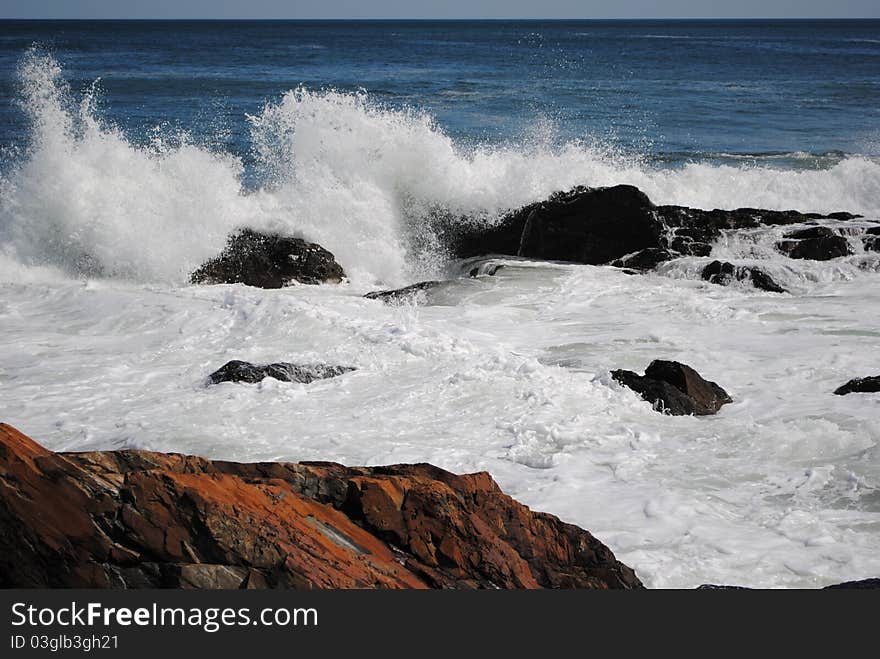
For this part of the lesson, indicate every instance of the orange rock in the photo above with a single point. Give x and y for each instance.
(130, 519)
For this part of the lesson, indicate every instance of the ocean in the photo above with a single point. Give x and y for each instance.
(129, 150)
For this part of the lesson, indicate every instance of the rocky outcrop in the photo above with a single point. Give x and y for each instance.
(675, 388)
(724, 273)
(601, 225)
(239, 371)
(862, 584)
(132, 519)
(869, 384)
(408, 293)
(269, 260)
(815, 244)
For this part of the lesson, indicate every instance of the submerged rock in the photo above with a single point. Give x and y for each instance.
(723, 273)
(646, 259)
(675, 388)
(239, 371)
(268, 260)
(136, 519)
(869, 384)
(401, 294)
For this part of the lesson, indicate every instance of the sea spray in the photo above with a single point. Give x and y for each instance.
(362, 179)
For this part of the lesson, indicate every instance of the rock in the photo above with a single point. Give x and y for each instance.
(239, 371)
(600, 225)
(486, 269)
(869, 384)
(584, 225)
(646, 259)
(136, 519)
(811, 233)
(815, 244)
(403, 294)
(864, 584)
(675, 388)
(723, 273)
(269, 261)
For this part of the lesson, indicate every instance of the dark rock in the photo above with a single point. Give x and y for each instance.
(811, 232)
(863, 584)
(584, 225)
(840, 215)
(712, 586)
(663, 396)
(599, 225)
(269, 261)
(816, 249)
(869, 384)
(873, 231)
(690, 247)
(723, 273)
(486, 269)
(401, 294)
(646, 259)
(239, 371)
(136, 519)
(872, 243)
(675, 388)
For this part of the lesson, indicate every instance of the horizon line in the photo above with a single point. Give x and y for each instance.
(427, 19)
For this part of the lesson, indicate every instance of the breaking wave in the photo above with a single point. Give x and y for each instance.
(360, 178)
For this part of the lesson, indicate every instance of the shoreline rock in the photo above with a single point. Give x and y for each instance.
(868, 385)
(597, 226)
(724, 273)
(137, 519)
(403, 294)
(239, 371)
(269, 260)
(674, 388)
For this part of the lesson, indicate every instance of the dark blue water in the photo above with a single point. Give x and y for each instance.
(670, 90)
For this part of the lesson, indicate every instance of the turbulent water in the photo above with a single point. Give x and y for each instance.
(131, 150)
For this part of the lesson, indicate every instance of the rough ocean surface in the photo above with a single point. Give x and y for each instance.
(104, 345)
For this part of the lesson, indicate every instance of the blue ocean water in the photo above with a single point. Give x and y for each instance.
(670, 91)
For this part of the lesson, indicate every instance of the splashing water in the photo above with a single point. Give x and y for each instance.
(359, 178)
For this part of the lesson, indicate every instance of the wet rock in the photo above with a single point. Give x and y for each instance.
(811, 233)
(269, 261)
(136, 519)
(863, 584)
(403, 294)
(675, 388)
(814, 244)
(646, 259)
(584, 225)
(869, 384)
(723, 273)
(487, 269)
(600, 225)
(239, 371)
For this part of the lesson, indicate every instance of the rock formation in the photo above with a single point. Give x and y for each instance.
(675, 388)
(239, 371)
(869, 384)
(132, 519)
(269, 261)
(723, 273)
(601, 225)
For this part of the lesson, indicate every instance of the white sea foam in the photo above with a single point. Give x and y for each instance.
(339, 169)
(508, 373)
